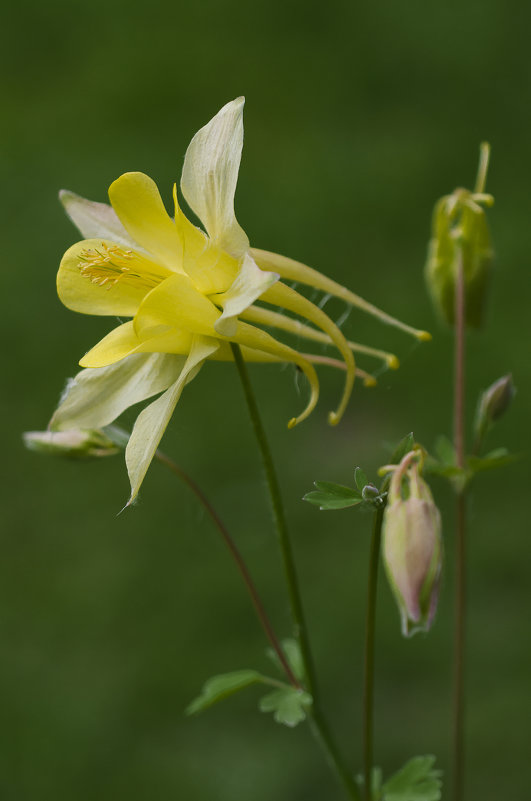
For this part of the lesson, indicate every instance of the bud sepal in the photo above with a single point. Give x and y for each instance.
(73, 443)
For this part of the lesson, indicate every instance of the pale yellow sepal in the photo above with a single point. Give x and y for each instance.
(250, 283)
(153, 420)
(95, 220)
(96, 397)
(210, 174)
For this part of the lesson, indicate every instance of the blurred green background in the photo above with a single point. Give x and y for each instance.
(359, 116)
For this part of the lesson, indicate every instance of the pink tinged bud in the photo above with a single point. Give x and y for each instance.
(412, 547)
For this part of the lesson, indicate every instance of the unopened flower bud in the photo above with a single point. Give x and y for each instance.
(460, 235)
(370, 492)
(495, 401)
(73, 444)
(412, 546)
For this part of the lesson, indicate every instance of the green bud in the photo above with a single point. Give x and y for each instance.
(460, 234)
(493, 403)
(73, 444)
(412, 546)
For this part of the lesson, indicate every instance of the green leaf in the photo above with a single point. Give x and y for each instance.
(293, 655)
(445, 451)
(327, 502)
(337, 490)
(492, 460)
(404, 446)
(360, 478)
(448, 471)
(333, 496)
(222, 686)
(415, 781)
(288, 705)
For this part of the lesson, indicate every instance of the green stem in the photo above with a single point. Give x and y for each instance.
(460, 550)
(368, 678)
(318, 724)
(280, 522)
(240, 563)
(321, 732)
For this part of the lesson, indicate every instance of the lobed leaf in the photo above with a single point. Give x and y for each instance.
(288, 705)
(326, 502)
(333, 496)
(497, 458)
(445, 451)
(417, 780)
(293, 655)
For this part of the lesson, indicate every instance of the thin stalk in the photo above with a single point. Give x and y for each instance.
(460, 544)
(368, 674)
(281, 525)
(321, 732)
(460, 550)
(459, 650)
(318, 724)
(481, 177)
(238, 559)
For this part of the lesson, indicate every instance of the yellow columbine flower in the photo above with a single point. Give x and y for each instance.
(189, 294)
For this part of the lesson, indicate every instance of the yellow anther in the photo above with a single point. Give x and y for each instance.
(110, 264)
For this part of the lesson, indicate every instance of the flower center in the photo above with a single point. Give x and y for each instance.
(111, 264)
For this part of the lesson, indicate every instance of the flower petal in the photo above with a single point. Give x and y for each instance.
(96, 397)
(152, 421)
(282, 295)
(250, 283)
(176, 303)
(137, 202)
(258, 340)
(210, 174)
(257, 314)
(95, 220)
(296, 271)
(118, 344)
(123, 340)
(106, 285)
(210, 268)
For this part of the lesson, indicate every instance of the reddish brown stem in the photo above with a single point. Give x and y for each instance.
(238, 558)
(460, 543)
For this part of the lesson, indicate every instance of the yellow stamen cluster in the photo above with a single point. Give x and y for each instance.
(111, 264)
